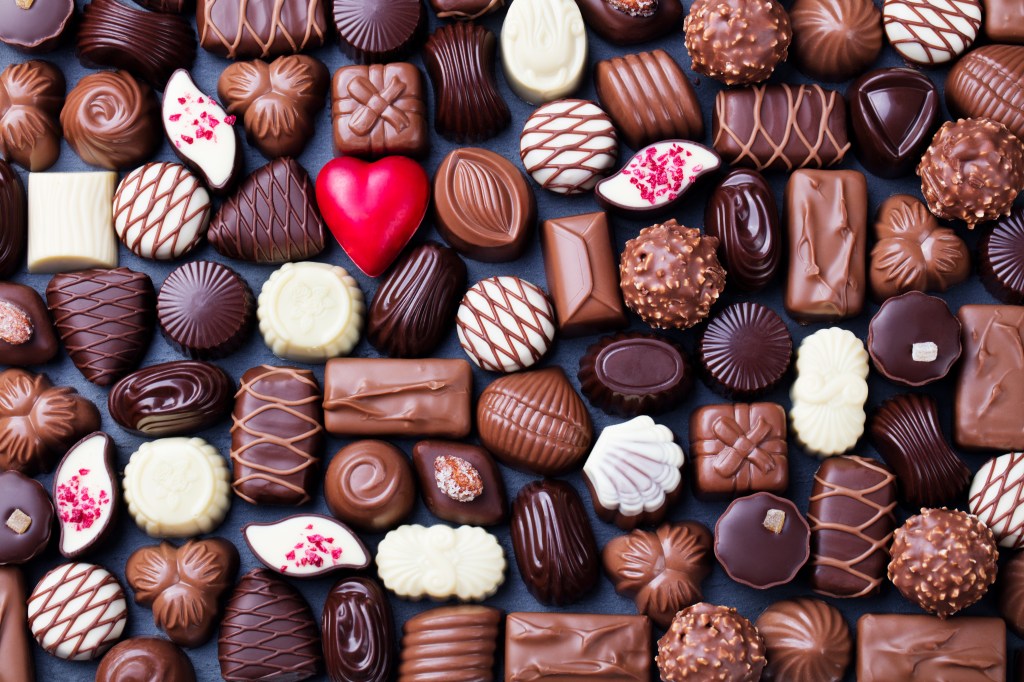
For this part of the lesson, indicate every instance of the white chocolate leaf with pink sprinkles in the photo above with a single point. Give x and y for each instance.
(200, 131)
(657, 176)
(86, 494)
(306, 545)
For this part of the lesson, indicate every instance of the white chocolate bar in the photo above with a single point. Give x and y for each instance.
(71, 221)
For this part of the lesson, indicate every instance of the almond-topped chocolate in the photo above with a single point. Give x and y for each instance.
(459, 482)
(26, 334)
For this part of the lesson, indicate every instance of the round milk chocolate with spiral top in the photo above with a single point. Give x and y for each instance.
(205, 309)
(745, 351)
(633, 374)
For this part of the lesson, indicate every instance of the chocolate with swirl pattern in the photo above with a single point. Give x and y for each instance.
(414, 308)
(369, 485)
(553, 542)
(13, 221)
(171, 399)
(742, 213)
(358, 632)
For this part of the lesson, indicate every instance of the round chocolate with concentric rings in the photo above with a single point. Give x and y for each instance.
(205, 309)
(745, 351)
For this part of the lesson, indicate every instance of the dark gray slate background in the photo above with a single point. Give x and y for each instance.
(513, 596)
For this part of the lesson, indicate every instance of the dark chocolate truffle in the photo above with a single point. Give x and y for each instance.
(205, 309)
(737, 43)
(632, 374)
(708, 642)
(807, 640)
(943, 560)
(745, 351)
(835, 39)
(914, 339)
(145, 659)
(26, 513)
(1001, 259)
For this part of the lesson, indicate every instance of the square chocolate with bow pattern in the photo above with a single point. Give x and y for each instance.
(738, 449)
(379, 109)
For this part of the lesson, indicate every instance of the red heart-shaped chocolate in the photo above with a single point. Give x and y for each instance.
(373, 209)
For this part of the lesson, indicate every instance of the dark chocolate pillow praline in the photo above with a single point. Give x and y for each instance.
(633, 374)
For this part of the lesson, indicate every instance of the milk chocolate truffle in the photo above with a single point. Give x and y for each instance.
(972, 171)
(31, 96)
(145, 659)
(914, 339)
(369, 485)
(943, 560)
(806, 640)
(670, 275)
(111, 120)
(1001, 259)
(835, 39)
(737, 43)
(709, 642)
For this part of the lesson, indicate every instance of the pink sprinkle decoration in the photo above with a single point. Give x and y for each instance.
(230, 120)
(182, 100)
(187, 139)
(660, 176)
(312, 549)
(200, 100)
(77, 504)
(174, 118)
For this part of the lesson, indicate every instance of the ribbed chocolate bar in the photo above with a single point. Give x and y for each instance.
(450, 643)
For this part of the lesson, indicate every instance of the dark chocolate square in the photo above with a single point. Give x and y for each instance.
(487, 509)
(738, 449)
(379, 109)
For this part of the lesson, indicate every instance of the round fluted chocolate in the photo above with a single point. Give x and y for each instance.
(835, 39)
(1001, 259)
(807, 641)
(26, 515)
(370, 31)
(745, 351)
(145, 659)
(709, 642)
(205, 309)
(742, 214)
(370, 485)
(112, 120)
(737, 43)
(762, 540)
(632, 374)
(914, 339)
(172, 399)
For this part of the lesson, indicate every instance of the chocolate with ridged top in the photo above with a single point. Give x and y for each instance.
(13, 219)
(414, 307)
(1001, 259)
(31, 97)
(174, 398)
(271, 218)
(806, 640)
(249, 29)
(553, 542)
(709, 642)
(145, 659)
(26, 334)
(377, 31)
(149, 45)
(628, 22)
(632, 374)
(36, 26)
(205, 309)
(835, 39)
(358, 632)
(741, 212)
(268, 631)
(450, 642)
(745, 351)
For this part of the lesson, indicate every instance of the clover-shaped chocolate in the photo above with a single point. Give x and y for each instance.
(31, 97)
(662, 571)
(278, 102)
(183, 585)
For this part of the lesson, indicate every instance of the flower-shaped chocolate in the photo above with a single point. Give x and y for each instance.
(31, 97)
(183, 585)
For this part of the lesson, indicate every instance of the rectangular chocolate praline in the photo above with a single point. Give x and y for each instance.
(738, 449)
(780, 127)
(827, 221)
(565, 647)
(852, 521)
(915, 648)
(379, 109)
(250, 29)
(990, 392)
(582, 273)
(390, 397)
(1004, 21)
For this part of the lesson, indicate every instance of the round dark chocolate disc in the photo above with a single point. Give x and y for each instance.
(27, 516)
(745, 351)
(378, 31)
(205, 309)
(762, 540)
(633, 374)
(914, 339)
(1001, 259)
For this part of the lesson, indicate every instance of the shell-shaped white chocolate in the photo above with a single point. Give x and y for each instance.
(997, 498)
(829, 393)
(310, 312)
(305, 545)
(84, 494)
(177, 487)
(161, 211)
(634, 466)
(441, 562)
(199, 130)
(70, 221)
(543, 48)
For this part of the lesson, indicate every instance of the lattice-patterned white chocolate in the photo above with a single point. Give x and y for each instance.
(997, 498)
(161, 211)
(568, 145)
(931, 31)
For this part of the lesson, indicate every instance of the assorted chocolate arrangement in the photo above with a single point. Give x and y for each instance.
(893, 506)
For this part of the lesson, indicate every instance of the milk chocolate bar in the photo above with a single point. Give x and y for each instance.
(390, 397)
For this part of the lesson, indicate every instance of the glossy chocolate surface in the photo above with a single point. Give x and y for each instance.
(38, 27)
(369, 485)
(27, 516)
(755, 555)
(370, 32)
(172, 398)
(15, 645)
(26, 334)
(31, 97)
(379, 109)
(460, 483)
(1001, 259)
(145, 659)
(745, 351)
(914, 339)
(738, 449)
(632, 374)
(13, 220)
(741, 212)
(450, 642)
(239, 29)
(623, 27)
(358, 632)
(987, 83)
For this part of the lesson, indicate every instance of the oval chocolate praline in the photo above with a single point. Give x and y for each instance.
(742, 213)
(553, 542)
(633, 374)
(172, 398)
(13, 220)
(358, 632)
(414, 308)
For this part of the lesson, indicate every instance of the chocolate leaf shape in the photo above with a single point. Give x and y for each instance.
(182, 608)
(151, 570)
(484, 201)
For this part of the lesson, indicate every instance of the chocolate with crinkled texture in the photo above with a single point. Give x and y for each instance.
(737, 44)
(250, 29)
(1001, 259)
(460, 61)
(806, 640)
(358, 632)
(631, 374)
(174, 398)
(272, 218)
(40, 421)
(379, 109)
(369, 485)
(450, 642)
(370, 33)
(414, 307)
(26, 334)
(13, 219)
(758, 549)
(149, 45)
(851, 512)
(835, 39)
(914, 339)
(32, 94)
(553, 542)
(745, 351)
(276, 436)
(827, 222)
(142, 659)
(739, 448)
(892, 114)
(105, 319)
(780, 127)
(741, 212)
(990, 390)
(460, 482)
(268, 631)
(711, 642)
(628, 22)
(647, 95)
(572, 646)
(27, 514)
(277, 102)
(534, 421)
(37, 26)
(910, 648)
(15, 646)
